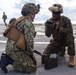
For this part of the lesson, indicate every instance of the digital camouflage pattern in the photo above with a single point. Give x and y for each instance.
(61, 37)
(22, 60)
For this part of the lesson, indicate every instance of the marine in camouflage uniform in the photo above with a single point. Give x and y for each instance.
(4, 17)
(60, 28)
(24, 60)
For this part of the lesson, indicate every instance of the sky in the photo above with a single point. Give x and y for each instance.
(12, 8)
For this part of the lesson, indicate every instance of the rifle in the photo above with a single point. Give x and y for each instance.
(37, 52)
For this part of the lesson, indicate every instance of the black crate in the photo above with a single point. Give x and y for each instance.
(44, 58)
(51, 63)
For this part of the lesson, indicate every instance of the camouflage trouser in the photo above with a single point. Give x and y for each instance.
(22, 62)
(4, 20)
(53, 47)
(56, 46)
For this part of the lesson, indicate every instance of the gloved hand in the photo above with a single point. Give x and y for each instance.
(49, 23)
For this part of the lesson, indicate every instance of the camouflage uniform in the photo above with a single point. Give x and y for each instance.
(62, 33)
(23, 59)
(4, 17)
(62, 37)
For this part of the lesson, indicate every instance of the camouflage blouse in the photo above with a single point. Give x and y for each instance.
(27, 28)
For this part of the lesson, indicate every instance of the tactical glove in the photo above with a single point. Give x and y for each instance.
(49, 23)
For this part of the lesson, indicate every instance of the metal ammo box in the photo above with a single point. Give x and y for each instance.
(50, 62)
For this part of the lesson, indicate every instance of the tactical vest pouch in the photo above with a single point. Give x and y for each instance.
(21, 42)
(17, 36)
(12, 33)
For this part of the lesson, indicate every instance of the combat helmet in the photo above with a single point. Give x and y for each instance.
(56, 8)
(30, 8)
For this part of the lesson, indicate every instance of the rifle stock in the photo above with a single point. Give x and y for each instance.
(37, 52)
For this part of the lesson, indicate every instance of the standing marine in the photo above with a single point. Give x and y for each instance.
(4, 17)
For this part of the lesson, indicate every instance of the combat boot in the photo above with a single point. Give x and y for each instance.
(71, 61)
(5, 61)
